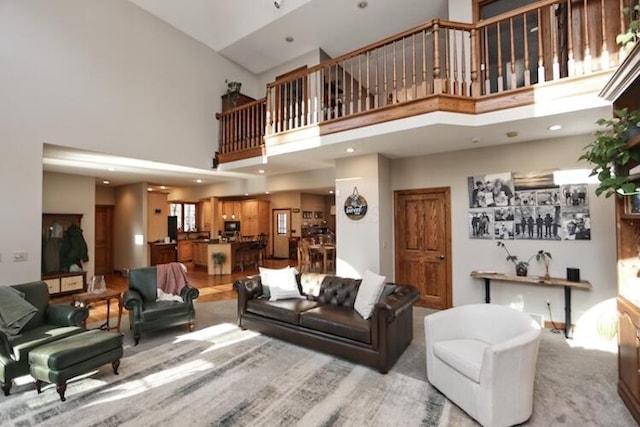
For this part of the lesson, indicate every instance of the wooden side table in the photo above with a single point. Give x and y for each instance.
(86, 299)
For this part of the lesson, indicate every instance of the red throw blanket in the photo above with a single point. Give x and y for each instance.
(171, 278)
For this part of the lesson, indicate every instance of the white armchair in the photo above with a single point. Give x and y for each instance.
(483, 358)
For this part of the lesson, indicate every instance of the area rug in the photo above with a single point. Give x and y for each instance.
(222, 376)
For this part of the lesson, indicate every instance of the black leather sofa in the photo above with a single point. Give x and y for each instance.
(329, 323)
(51, 322)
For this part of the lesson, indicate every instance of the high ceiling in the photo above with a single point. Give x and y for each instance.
(252, 33)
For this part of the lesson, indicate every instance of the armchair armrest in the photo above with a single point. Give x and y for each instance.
(402, 298)
(189, 293)
(132, 300)
(66, 315)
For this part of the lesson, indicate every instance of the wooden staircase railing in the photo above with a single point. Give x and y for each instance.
(544, 41)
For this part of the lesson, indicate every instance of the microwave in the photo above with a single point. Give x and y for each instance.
(232, 226)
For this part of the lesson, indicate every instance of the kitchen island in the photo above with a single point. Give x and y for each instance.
(237, 254)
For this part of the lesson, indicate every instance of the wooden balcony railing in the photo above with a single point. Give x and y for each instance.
(440, 65)
(242, 131)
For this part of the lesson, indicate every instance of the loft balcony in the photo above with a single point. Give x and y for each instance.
(546, 50)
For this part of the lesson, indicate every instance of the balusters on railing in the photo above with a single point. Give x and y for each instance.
(437, 82)
(541, 76)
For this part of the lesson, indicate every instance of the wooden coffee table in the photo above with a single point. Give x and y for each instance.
(87, 299)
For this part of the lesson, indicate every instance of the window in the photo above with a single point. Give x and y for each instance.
(282, 224)
(186, 213)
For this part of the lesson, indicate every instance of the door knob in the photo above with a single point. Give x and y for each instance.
(441, 256)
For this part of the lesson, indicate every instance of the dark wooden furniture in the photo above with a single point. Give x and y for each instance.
(59, 282)
(538, 281)
(624, 90)
(87, 299)
(228, 105)
(162, 253)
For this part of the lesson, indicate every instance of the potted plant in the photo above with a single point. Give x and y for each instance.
(219, 259)
(233, 90)
(610, 154)
(522, 267)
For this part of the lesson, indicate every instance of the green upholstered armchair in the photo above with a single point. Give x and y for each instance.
(50, 323)
(146, 313)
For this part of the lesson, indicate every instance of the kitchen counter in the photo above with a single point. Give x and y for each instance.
(206, 248)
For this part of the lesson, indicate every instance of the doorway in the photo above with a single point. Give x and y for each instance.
(104, 240)
(281, 232)
(423, 244)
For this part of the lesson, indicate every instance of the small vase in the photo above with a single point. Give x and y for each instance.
(521, 271)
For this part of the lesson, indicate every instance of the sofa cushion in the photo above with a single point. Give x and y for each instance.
(339, 291)
(463, 355)
(287, 310)
(161, 309)
(335, 320)
(368, 293)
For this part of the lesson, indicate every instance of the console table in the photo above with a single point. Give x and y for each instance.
(537, 281)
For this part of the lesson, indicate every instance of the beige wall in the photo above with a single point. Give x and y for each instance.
(157, 222)
(130, 220)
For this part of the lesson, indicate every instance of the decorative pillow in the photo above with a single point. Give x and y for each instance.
(282, 283)
(311, 283)
(368, 294)
(266, 277)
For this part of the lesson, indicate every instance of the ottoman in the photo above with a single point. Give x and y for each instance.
(69, 357)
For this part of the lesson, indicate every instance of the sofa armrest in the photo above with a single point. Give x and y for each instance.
(247, 288)
(65, 315)
(189, 294)
(132, 300)
(402, 298)
(6, 349)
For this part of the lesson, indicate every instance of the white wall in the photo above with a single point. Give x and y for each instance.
(73, 194)
(310, 59)
(594, 258)
(103, 76)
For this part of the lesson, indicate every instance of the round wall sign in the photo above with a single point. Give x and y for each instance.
(355, 207)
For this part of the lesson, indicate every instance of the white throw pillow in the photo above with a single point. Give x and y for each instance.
(368, 293)
(282, 283)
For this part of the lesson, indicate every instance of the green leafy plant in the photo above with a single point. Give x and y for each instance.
(610, 154)
(523, 266)
(629, 38)
(218, 257)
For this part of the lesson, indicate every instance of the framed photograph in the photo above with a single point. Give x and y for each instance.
(632, 205)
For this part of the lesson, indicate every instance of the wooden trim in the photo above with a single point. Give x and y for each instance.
(243, 154)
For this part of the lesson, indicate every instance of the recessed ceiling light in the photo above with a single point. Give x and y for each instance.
(111, 169)
(289, 39)
(199, 181)
(162, 187)
(330, 191)
(363, 4)
(106, 182)
(555, 127)
(266, 192)
(261, 171)
(149, 189)
(350, 150)
(246, 194)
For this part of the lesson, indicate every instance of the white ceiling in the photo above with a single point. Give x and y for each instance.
(252, 32)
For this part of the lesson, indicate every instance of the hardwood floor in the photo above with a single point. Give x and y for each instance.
(212, 288)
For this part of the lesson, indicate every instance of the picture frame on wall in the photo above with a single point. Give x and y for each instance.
(632, 205)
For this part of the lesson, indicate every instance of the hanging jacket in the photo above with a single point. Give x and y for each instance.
(73, 249)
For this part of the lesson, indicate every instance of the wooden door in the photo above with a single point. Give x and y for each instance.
(281, 232)
(104, 240)
(423, 244)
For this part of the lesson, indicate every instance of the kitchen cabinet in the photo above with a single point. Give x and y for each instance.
(185, 250)
(162, 253)
(255, 217)
(199, 256)
(204, 215)
(229, 208)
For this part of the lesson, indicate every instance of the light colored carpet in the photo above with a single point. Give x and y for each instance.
(219, 375)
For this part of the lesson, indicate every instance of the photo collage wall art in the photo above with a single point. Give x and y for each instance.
(527, 206)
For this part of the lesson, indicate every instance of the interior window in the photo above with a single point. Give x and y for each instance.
(186, 213)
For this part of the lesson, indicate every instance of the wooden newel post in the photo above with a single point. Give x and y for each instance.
(437, 81)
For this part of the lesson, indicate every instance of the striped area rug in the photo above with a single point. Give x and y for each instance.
(222, 376)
